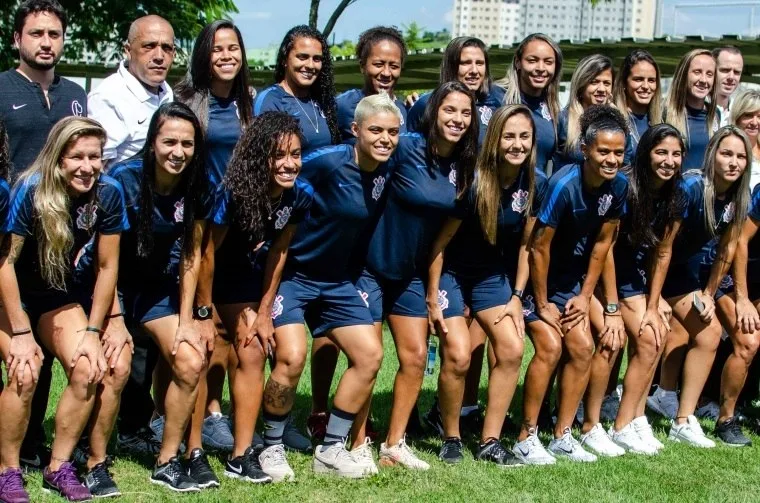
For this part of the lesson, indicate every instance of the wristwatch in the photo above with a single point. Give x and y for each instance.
(518, 293)
(611, 309)
(203, 312)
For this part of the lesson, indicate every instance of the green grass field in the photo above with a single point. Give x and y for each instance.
(679, 473)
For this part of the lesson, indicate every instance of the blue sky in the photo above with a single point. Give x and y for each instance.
(264, 22)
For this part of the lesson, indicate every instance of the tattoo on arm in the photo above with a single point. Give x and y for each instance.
(278, 396)
(11, 248)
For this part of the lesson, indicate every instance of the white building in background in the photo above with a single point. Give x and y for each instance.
(492, 21)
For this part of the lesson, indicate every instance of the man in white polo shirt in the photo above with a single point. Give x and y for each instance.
(727, 78)
(125, 101)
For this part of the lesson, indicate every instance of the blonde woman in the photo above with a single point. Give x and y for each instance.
(61, 205)
(716, 203)
(591, 84)
(745, 113)
(691, 104)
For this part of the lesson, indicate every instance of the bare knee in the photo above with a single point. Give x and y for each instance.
(509, 353)
(251, 357)
(291, 361)
(79, 379)
(646, 347)
(412, 358)
(580, 349)
(370, 360)
(187, 366)
(745, 347)
(457, 360)
(23, 388)
(117, 377)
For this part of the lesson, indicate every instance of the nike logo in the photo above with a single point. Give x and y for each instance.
(140, 122)
(16, 107)
(522, 452)
(238, 470)
(35, 461)
(343, 185)
(565, 450)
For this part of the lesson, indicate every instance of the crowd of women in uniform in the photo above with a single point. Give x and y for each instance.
(623, 220)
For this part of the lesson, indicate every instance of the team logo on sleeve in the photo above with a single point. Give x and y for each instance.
(87, 215)
(179, 210)
(528, 307)
(443, 301)
(364, 296)
(283, 215)
(453, 175)
(545, 112)
(604, 204)
(519, 201)
(277, 307)
(76, 108)
(485, 115)
(377, 190)
(728, 212)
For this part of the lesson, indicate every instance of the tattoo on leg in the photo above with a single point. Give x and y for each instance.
(279, 396)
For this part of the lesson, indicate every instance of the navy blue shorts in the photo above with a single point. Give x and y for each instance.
(155, 302)
(682, 279)
(561, 296)
(37, 304)
(323, 305)
(238, 286)
(457, 291)
(529, 306)
(632, 281)
(399, 297)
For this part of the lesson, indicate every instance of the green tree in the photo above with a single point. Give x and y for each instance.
(102, 28)
(413, 35)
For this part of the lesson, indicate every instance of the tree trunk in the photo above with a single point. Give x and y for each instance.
(335, 15)
(313, 14)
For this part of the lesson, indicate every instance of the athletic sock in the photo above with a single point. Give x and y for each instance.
(274, 428)
(467, 409)
(338, 426)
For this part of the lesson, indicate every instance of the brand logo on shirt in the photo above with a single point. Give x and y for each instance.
(519, 201)
(377, 190)
(643, 275)
(76, 108)
(277, 307)
(453, 175)
(179, 210)
(142, 121)
(364, 296)
(727, 282)
(18, 107)
(283, 216)
(604, 204)
(545, 112)
(87, 215)
(237, 110)
(485, 115)
(443, 301)
(527, 305)
(728, 212)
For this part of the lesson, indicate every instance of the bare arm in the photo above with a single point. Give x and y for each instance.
(746, 314)
(9, 289)
(599, 256)
(538, 259)
(523, 267)
(105, 283)
(188, 283)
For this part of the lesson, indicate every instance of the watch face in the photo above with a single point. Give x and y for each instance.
(203, 312)
(612, 308)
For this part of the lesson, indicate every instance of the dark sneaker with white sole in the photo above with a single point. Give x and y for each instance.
(434, 420)
(173, 476)
(452, 451)
(247, 468)
(143, 442)
(494, 452)
(730, 433)
(199, 469)
(100, 483)
(35, 458)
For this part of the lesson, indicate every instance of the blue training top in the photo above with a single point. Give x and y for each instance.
(546, 137)
(222, 134)
(347, 102)
(753, 260)
(697, 139)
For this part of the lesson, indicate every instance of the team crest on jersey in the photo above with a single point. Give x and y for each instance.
(283, 215)
(528, 307)
(377, 190)
(485, 115)
(604, 204)
(545, 112)
(277, 307)
(87, 215)
(519, 201)
(726, 282)
(319, 109)
(728, 212)
(453, 175)
(179, 210)
(443, 301)
(77, 109)
(364, 296)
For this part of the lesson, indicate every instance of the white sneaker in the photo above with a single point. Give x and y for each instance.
(629, 440)
(610, 405)
(531, 451)
(275, 464)
(566, 446)
(644, 429)
(363, 455)
(710, 410)
(335, 459)
(401, 454)
(598, 441)
(691, 433)
(664, 402)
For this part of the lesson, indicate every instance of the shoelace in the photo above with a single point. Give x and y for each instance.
(174, 470)
(200, 462)
(276, 454)
(66, 475)
(12, 481)
(364, 450)
(498, 451)
(451, 444)
(733, 427)
(100, 473)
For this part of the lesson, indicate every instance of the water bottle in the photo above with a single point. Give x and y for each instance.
(432, 351)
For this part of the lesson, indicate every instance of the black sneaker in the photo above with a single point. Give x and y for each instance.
(81, 452)
(172, 476)
(34, 458)
(494, 452)
(434, 420)
(143, 442)
(451, 451)
(731, 433)
(99, 482)
(247, 468)
(199, 469)
(471, 423)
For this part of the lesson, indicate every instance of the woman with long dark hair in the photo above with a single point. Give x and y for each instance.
(62, 205)
(168, 203)
(642, 256)
(432, 169)
(304, 87)
(569, 246)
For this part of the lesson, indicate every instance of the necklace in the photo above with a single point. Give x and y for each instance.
(314, 124)
(273, 207)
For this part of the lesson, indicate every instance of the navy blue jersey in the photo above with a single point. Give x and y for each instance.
(311, 117)
(639, 123)
(27, 116)
(162, 265)
(346, 201)
(241, 250)
(753, 259)
(577, 215)
(695, 245)
(562, 157)
(469, 254)
(222, 133)
(5, 196)
(102, 214)
(347, 106)
(696, 140)
(546, 137)
(485, 106)
(421, 196)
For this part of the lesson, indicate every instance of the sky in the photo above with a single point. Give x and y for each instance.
(264, 22)
(710, 17)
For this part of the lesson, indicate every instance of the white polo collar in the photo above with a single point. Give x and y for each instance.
(136, 87)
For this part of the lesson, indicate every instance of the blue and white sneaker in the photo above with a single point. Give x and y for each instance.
(216, 433)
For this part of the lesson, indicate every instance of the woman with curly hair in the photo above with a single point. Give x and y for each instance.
(304, 87)
(256, 211)
(168, 204)
(62, 205)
